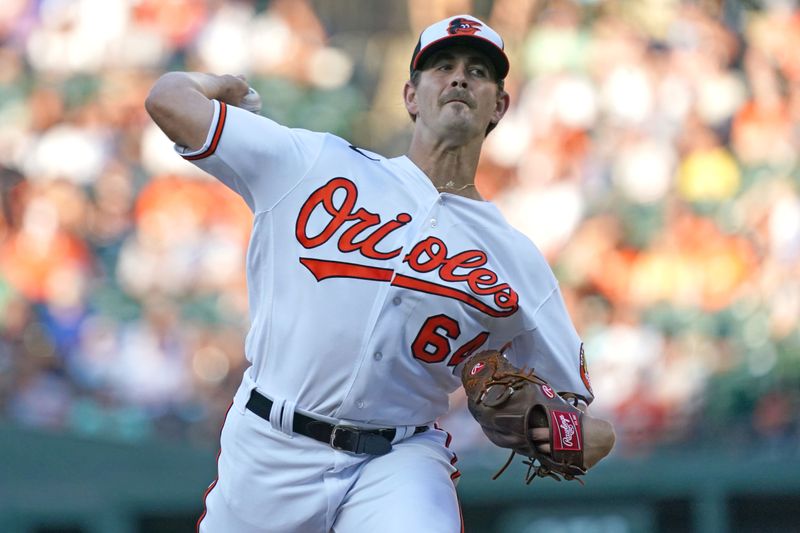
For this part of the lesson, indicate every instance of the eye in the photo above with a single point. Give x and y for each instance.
(478, 71)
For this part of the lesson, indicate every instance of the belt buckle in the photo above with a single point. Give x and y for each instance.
(344, 430)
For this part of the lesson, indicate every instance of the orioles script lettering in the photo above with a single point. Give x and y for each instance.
(333, 207)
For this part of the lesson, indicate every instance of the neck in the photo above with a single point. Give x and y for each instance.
(450, 168)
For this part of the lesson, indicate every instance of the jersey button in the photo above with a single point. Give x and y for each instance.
(433, 223)
(360, 404)
(377, 356)
(396, 300)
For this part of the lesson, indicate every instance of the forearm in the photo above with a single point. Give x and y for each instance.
(227, 88)
(180, 103)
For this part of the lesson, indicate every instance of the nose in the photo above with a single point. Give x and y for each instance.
(459, 78)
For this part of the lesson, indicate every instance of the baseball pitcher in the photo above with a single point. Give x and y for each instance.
(377, 287)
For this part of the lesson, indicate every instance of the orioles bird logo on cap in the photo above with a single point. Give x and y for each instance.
(462, 26)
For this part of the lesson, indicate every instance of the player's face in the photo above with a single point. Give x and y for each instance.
(456, 94)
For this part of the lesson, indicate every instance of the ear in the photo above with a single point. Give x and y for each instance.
(501, 106)
(410, 98)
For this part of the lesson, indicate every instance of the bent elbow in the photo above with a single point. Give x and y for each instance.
(151, 104)
(157, 104)
(165, 96)
(179, 109)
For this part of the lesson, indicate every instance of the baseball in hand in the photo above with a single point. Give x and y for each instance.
(251, 101)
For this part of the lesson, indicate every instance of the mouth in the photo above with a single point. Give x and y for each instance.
(458, 101)
(457, 97)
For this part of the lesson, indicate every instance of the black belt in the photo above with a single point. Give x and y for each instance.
(340, 437)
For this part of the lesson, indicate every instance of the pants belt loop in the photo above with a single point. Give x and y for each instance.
(402, 432)
(287, 419)
(276, 416)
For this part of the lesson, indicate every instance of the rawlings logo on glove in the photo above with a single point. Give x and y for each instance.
(568, 436)
(509, 403)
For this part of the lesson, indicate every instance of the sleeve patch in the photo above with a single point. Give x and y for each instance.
(585, 373)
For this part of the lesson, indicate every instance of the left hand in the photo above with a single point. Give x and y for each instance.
(541, 436)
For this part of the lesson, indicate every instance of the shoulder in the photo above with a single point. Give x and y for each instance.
(346, 148)
(520, 252)
(507, 234)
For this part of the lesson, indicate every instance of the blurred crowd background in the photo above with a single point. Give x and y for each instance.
(651, 152)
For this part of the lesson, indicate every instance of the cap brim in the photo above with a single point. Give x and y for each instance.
(495, 54)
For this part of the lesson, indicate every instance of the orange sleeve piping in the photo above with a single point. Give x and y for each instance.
(223, 112)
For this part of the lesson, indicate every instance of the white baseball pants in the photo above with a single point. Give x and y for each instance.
(273, 482)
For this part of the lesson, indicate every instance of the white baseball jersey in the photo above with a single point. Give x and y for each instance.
(368, 288)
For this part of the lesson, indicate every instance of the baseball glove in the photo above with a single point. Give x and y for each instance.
(509, 403)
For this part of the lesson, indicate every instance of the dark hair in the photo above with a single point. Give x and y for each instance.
(415, 80)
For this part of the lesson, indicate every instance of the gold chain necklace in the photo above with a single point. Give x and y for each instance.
(449, 187)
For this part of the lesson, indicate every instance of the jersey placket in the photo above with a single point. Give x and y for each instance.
(359, 402)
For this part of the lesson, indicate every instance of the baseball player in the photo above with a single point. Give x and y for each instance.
(372, 283)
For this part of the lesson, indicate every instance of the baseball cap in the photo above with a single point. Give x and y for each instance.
(461, 29)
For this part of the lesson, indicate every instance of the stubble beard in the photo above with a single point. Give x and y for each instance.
(459, 122)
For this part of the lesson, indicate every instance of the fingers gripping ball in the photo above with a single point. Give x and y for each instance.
(509, 403)
(251, 101)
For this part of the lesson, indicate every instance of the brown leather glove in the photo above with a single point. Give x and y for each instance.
(509, 403)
